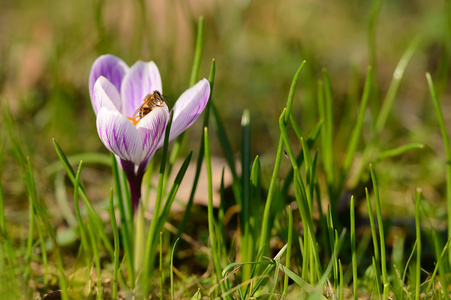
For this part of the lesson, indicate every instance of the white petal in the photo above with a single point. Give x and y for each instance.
(152, 128)
(105, 94)
(109, 66)
(189, 106)
(119, 135)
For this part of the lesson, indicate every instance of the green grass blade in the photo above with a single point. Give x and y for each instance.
(193, 78)
(87, 157)
(147, 185)
(172, 267)
(374, 14)
(197, 295)
(28, 255)
(29, 243)
(371, 149)
(328, 129)
(397, 259)
(125, 229)
(211, 226)
(153, 231)
(116, 241)
(353, 250)
(269, 268)
(440, 265)
(42, 216)
(394, 85)
(288, 255)
(26, 169)
(162, 217)
(373, 227)
(300, 158)
(381, 232)
(96, 257)
(245, 163)
(64, 204)
(15, 142)
(447, 147)
(63, 158)
(332, 242)
(398, 151)
(270, 197)
(230, 268)
(328, 113)
(161, 266)
(200, 157)
(361, 251)
(254, 219)
(119, 188)
(100, 230)
(408, 262)
(221, 215)
(265, 221)
(302, 197)
(377, 278)
(274, 280)
(337, 246)
(309, 238)
(340, 267)
(376, 258)
(272, 185)
(10, 258)
(418, 242)
(84, 241)
(294, 83)
(126, 200)
(197, 52)
(309, 171)
(2, 214)
(172, 192)
(38, 210)
(302, 283)
(246, 236)
(353, 143)
(228, 153)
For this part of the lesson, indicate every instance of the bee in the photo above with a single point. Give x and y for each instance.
(150, 102)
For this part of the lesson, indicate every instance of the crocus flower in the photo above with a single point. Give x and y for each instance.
(117, 91)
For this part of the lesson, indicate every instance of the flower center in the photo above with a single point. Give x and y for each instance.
(135, 120)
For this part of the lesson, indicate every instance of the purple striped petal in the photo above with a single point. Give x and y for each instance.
(111, 67)
(152, 128)
(119, 135)
(188, 107)
(105, 95)
(142, 79)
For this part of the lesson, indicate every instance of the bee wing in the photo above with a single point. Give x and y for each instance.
(138, 109)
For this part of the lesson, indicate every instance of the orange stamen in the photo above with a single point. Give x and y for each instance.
(134, 120)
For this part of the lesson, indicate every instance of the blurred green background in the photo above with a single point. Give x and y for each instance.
(47, 49)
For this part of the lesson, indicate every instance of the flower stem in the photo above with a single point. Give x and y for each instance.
(134, 182)
(135, 190)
